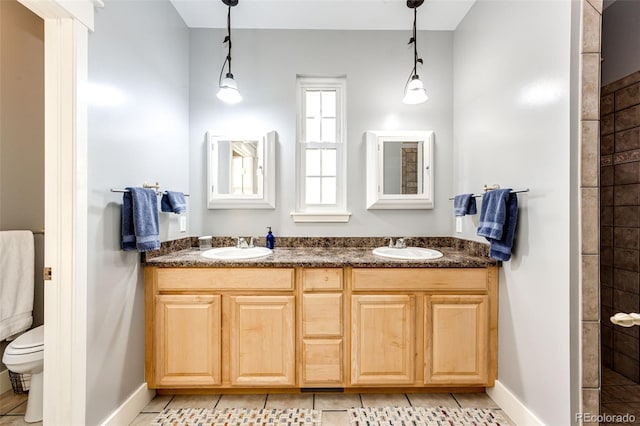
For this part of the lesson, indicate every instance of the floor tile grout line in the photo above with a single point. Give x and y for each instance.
(456, 399)
(408, 399)
(169, 402)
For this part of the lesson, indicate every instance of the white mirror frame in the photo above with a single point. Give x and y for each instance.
(266, 196)
(376, 199)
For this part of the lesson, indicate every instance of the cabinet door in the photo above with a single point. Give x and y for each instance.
(188, 340)
(382, 339)
(456, 339)
(262, 351)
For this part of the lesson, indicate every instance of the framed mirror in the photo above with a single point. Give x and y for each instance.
(241, 171)
(399, 169)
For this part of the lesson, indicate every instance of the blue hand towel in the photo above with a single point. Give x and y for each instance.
(128, 233)
(498, 219)
(501, 249)
(140, 228)
(464, 204)
(173, 202)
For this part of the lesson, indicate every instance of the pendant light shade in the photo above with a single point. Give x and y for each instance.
(229, 92)
(414, 91)
(228, 88)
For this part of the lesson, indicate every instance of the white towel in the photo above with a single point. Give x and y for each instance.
(17, 260)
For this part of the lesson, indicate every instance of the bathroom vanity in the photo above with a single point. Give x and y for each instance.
(320, 318)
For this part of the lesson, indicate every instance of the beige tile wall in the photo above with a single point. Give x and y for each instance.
(591, 24)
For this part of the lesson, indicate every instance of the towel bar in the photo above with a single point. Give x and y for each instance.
(491, 189)
(126, 190)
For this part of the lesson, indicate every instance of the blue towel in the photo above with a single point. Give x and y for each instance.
(173, 202)
(498, 219)
(464, 204)
(140, 228)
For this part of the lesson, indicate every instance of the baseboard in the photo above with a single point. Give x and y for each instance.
(5, 382)
(512, 406)
(129, 409)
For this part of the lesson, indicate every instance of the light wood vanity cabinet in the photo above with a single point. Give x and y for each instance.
(220, 327)
(320, 327)
(423, 326)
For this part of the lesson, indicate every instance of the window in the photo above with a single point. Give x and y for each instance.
(321, 150)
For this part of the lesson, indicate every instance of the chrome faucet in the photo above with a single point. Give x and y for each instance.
(390, 241)
(401, 242)
(242, 242)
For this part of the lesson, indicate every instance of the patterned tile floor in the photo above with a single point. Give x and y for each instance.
(619, 396)
(333, 405)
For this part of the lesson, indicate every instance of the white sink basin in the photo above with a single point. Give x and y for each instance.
(408, 253)
(234, 253)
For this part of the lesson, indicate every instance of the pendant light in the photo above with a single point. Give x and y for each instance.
(228, 88)
(414, 92)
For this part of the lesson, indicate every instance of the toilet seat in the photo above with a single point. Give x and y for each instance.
(30, 339)
(25, 355)
(31, 342)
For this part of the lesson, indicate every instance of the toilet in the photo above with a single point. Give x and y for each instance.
(25, 355)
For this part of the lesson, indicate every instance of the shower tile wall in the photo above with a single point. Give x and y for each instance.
(620, 222)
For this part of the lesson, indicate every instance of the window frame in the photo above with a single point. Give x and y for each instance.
(319, 212)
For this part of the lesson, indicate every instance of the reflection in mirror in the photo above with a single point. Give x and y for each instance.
(241, 171)
(400, 164)
(238, 167)
(399, 169)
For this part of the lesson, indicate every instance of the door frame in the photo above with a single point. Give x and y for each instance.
(66, 28)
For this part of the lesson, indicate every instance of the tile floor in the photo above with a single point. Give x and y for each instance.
(333, 405)
(619, 396)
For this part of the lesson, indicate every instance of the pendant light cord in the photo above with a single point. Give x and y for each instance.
(415, 41)
(229, 36)
(227, 40)
(415, 48)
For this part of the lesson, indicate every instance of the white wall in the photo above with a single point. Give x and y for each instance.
(265, 64)
(620, 40)
(138, 131)
(22, 132)
(512, 65)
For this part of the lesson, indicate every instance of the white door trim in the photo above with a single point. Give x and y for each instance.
(66, 27)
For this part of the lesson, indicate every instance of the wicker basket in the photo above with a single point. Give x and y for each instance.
(20, 382)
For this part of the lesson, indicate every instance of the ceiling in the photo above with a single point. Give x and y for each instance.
(324, 14)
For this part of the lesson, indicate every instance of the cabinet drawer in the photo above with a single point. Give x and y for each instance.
(417, 279)
(322, 279)
(193, 279)
(322, 315)
(322, 362)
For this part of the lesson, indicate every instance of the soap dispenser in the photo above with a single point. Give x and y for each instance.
(271, 240)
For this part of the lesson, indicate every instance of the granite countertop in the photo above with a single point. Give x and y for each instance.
(457, 254)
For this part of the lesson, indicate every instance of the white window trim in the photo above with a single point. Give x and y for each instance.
(337, 212)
